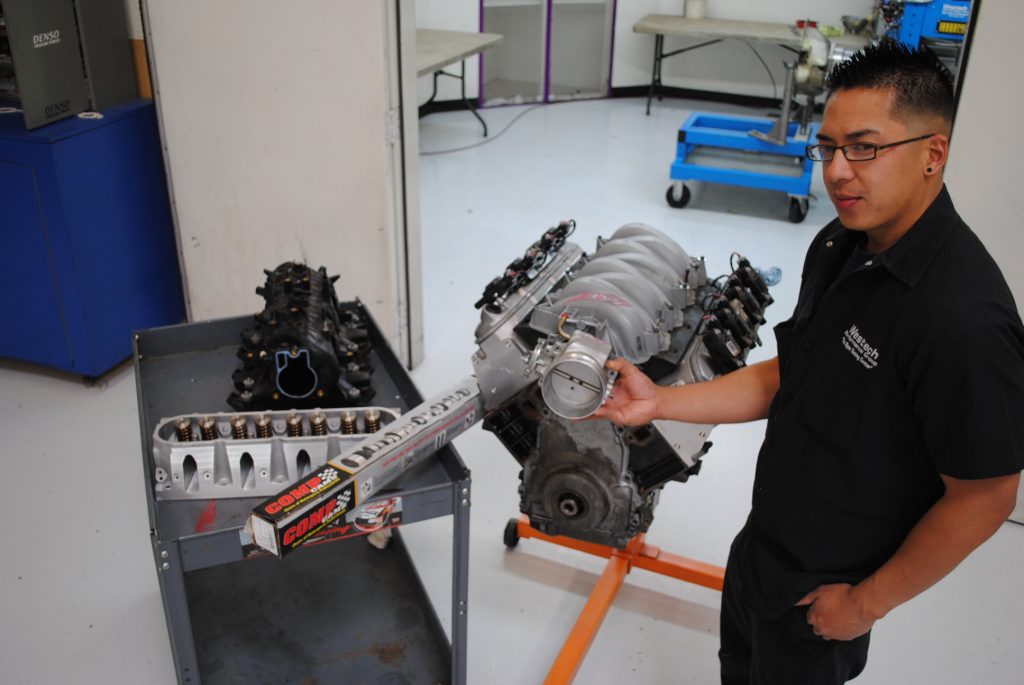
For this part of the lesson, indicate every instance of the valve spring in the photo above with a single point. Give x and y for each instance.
(208, 428)
(348, 423)
(263, 427)
(371, 419)
(184, 430)
(294, 426)
(318, 424)
(239, 429)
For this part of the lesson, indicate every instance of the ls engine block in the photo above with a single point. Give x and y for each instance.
(303, 350)
(548, 325)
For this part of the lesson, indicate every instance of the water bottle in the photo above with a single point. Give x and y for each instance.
(771, 276)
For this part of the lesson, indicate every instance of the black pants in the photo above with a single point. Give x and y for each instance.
(780, 651)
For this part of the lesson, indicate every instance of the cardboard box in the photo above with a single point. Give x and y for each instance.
(303, 510)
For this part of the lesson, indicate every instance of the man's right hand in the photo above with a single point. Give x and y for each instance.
(635, 398)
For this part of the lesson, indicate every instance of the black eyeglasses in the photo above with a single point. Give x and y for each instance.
(854, 152)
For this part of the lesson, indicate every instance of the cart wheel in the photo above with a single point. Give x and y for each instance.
(511, 536)
(682, 200)
(797, 209)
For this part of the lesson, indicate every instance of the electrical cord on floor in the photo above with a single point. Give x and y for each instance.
(490, 139)
(775, 89)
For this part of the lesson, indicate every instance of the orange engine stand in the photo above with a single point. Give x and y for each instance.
(637, 554)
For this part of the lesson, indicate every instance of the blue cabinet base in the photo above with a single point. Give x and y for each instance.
(85, 215)
(719, 148)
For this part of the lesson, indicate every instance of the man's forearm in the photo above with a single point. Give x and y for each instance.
(967, 515)
(743, 395)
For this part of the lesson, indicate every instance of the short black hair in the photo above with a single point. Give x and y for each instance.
(920, 82)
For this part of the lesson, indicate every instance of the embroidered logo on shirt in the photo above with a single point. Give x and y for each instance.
(861, 350)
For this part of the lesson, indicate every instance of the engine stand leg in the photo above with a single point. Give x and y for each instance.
(620, 562)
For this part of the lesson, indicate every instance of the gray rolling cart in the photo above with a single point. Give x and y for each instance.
(339, 612)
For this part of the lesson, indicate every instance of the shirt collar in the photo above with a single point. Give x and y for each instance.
(911, 255)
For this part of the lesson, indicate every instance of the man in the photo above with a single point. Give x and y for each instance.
(895, 406)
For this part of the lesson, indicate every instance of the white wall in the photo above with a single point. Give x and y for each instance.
(729, 66)
(453, 15)
(983, 173)
(134, 19)
(277, 148)
(726, 67)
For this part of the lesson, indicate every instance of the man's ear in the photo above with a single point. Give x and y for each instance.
(938, 153)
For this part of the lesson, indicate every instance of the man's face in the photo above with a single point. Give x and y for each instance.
(882, 197)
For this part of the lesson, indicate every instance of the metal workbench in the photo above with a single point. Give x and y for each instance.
(710, 32)
(340, 612)
(436, 50)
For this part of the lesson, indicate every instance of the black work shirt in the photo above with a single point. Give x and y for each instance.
(894, 370)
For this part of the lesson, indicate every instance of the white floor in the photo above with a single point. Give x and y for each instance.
(79, 601)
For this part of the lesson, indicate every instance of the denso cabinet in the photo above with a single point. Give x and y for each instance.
(86, 223)
(60, 57)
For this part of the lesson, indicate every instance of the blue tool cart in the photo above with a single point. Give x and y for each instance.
(741, 151)
(84, 212)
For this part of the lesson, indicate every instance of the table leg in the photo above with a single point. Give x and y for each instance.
(433, 93)
(659, 60)
(655, 69)
(461, 77)
(661, 65)
(471, 108)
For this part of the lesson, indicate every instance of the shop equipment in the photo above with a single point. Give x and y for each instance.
(549, 323)
(750, 152)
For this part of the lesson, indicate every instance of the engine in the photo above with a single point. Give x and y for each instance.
(303, 350)
(550, 322)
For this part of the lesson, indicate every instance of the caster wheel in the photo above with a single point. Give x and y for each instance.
(679, 201)
(797, 209)
(511, 536)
